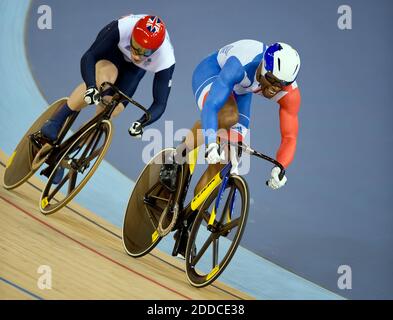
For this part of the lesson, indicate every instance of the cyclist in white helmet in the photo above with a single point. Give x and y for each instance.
(223, 85)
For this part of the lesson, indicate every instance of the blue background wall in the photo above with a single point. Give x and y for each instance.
(336, 207)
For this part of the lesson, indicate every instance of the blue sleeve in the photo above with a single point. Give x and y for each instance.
(231, 73)
(106, 41)
(161, 89)
(244, 107)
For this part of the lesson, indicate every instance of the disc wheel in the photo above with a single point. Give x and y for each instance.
(79, 163)
(19, 166)
(148, 201)
(215, 237)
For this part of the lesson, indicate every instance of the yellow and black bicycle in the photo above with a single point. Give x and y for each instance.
(215, 218)
(79, 154)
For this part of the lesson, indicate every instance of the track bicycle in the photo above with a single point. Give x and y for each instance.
(215, 218)
(79, 154)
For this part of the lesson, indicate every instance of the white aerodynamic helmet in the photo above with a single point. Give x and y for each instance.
(282, 61)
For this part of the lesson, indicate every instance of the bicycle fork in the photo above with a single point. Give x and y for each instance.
(212, 223)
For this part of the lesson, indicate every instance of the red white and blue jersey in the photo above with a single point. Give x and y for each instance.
(231, 71)
(113, 44)
(249, 53)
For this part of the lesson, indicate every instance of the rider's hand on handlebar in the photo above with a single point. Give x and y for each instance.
(136, 130)
(92, 95)
(213, 155)
(274, 182)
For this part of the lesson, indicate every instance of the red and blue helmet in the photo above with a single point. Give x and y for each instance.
(149, 32)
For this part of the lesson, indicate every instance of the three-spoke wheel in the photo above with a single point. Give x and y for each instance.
(216, 232)
(75, 166)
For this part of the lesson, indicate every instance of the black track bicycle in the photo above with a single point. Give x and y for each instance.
(79, 154)
(215, 218)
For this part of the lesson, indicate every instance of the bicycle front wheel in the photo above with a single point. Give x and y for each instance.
(216, 232)
(78, 163)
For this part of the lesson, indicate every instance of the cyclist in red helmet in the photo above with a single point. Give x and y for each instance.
(148, 34)
(122, 53)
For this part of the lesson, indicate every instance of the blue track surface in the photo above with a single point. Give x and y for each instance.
(21, 103)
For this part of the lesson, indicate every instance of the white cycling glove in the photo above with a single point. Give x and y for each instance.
(136, 130)
(92, 95)
(212, 154)
(275, 182)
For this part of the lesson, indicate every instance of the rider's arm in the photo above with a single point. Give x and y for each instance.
(243, 102)
(289, 109)
(106, 41)
(161, 89)
(231, 73)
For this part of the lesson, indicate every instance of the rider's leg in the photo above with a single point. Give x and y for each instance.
(127, 81)
(227, 117)
(168, 172)
(119, 109)
(105, 71)
(193, 140)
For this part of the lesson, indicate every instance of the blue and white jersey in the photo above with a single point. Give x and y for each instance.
(249, 53)
(230, 73)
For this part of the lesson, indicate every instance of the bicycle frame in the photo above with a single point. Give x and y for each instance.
(221, 177)
(61, 146)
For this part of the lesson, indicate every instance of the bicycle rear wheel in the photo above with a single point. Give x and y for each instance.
(147, 202)
(19, 167)
(79, 163)
(216, 233)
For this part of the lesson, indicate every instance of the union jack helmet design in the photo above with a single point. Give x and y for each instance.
(149, 32)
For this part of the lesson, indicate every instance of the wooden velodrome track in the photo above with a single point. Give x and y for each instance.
(85, 254)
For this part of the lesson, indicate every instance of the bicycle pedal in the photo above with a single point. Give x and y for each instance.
(35, 139)
(168, 176)
(46, 172)
(180, 242)
(175, 249)
(180, 256)
(226, 233)
(39, 140)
